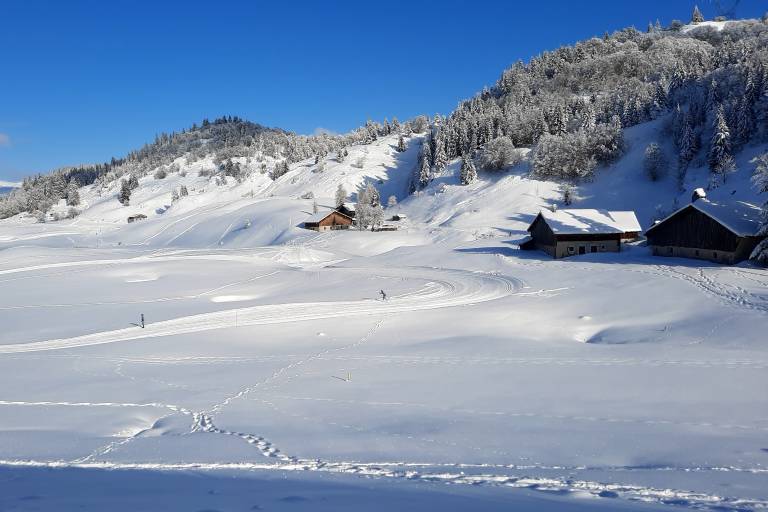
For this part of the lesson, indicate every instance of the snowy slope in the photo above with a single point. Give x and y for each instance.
(271, 374)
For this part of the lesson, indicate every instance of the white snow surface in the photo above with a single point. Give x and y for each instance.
(270, 374)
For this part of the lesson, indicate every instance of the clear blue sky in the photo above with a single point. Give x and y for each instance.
(82, 81)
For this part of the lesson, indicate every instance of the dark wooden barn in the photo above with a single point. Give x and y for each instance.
(721, 232)
(571, 232)
(328, 221)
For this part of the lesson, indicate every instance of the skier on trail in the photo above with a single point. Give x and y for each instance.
(383, 295)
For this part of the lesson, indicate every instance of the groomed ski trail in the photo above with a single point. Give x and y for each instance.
(445, 288)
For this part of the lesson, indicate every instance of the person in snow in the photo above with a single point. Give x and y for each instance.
(142, 320)
(383, 295)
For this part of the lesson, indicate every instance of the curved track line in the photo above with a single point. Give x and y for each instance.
(447, 288)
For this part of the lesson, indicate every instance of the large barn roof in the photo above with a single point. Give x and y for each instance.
(741, 218)
(590, 221)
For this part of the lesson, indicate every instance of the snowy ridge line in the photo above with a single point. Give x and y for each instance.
(690, 499)
(451, 288)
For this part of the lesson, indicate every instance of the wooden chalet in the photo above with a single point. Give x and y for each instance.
(569, 232)
(724, 232)
(328, 220)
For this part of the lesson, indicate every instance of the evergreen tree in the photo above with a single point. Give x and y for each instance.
(174, 195)
(401, 144)
(425, 167)
(124, 196)
(468, 173)
(696, 17)
(73, 195)
(440, 160)
(314, 206)
(133, 182)
(760, 181)
(183, 191)
(655, 163)
(720, 159)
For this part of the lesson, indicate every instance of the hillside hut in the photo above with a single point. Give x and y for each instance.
(328, 220)
(569, 232)
(136, 217)
(724, 232)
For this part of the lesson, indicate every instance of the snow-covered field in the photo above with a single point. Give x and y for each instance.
(270, 375)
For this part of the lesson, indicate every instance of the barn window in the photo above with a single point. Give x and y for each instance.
(715, 255)
(697, 253)
(571, 249)
(602, 247)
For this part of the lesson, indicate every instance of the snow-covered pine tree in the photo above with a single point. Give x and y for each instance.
(687, 147)
(468, 173)
(183, 191)
(124, 196)
(73, 195)
(401, 144)
(440, 159)
(174, 195)
(696, 17)
(133, 182)
(760, 181)
(314, 206)
(720, 158)
(425, 166)
(655, 163)
(341, 195)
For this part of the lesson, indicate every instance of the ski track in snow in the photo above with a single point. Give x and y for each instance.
(447, 288)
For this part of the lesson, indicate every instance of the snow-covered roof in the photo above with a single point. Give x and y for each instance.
(739, 217)
(349, 206)
(320, 215)
(317, 217)
(590, 221)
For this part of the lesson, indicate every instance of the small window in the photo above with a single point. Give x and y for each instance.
(571, 250)
(697, 253)
(602, 247)
(669, 250)
(715, 255)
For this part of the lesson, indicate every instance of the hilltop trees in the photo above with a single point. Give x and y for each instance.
(696, 17)
(401, 144)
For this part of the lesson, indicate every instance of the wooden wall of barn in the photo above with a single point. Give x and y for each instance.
(692, 228)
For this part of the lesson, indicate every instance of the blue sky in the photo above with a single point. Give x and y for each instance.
(82, 81)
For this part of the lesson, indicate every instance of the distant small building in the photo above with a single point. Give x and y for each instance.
(724, 232)
(569, 232)
(328, 220)
(134, 218)
(398, 217)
